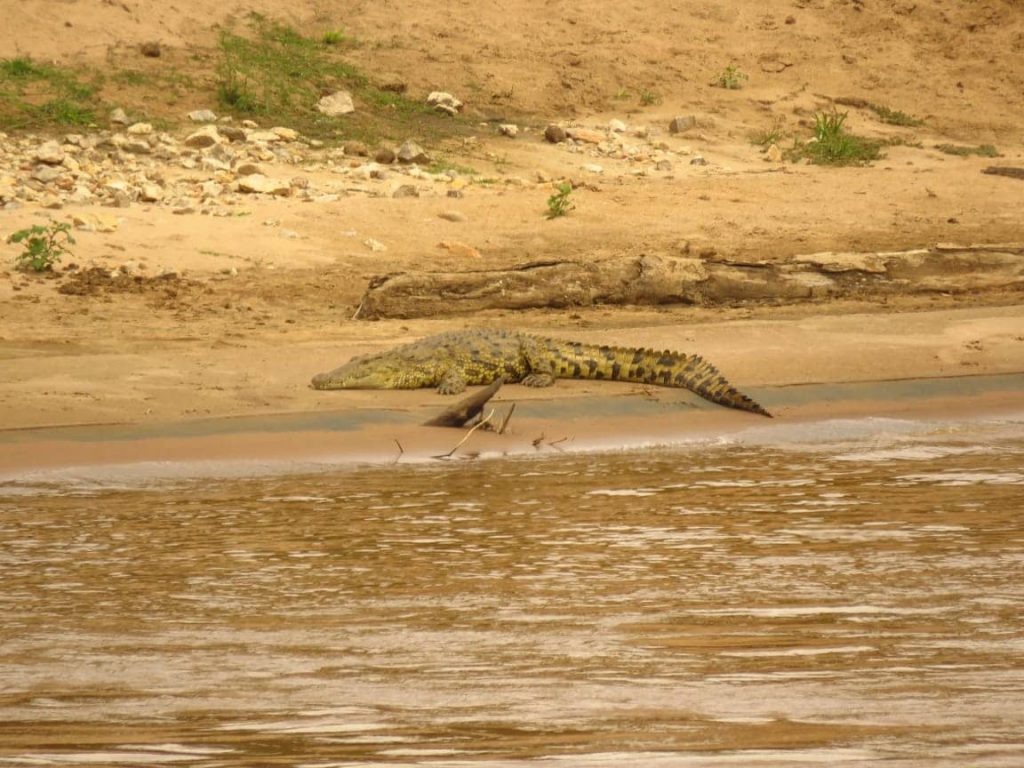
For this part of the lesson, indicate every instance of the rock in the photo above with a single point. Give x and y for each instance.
(663, 165)
(51, 201)
(773, 154)
(248, 169)
(411, 152)
(137, 147)
(508, 129)
(286, 134)
(616, 126)
(336, 104)
(259, 183)
(385, 156)
(355, 149)
(374, 245)
(392, 82)
(140, 129)
(585, 135)
(406, 190)
(444, 102)
(49, 152)
(151, 193)
(118, 117)
(681, 124)
(593, 168)
(555, 133)
(262, 137)
(698, 160)
(47, 174)
(202, 116)
(459, 249)
(94, 222)
(456, 216)
(205, 137)
(232, 133)
(150, 49)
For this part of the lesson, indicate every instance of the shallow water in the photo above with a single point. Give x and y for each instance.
(763, 603)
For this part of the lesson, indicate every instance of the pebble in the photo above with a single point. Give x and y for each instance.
(508, 129)
(457, 216)
(374, 245)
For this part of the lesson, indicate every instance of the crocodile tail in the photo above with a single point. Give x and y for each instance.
(646, 366)
(699, 376)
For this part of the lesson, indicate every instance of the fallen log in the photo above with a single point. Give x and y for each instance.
(653, 280)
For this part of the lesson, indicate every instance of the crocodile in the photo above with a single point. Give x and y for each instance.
(451, 361)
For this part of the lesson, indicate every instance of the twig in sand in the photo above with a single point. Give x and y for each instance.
(508, 416)
(474, 428)
(401, 450)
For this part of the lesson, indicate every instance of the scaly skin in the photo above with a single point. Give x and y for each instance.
(450, 361)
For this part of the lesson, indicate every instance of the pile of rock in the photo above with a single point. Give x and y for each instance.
(640, 146)
(209, 170)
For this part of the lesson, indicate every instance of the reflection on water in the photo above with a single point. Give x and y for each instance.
(731, 605)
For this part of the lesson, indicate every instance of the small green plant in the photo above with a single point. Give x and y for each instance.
(621, 95)
(559, 203)
(44, 246)
(649, 98)
(768, 136)
(982, 150)
(834, 145)
(334, 37)
(731, 78)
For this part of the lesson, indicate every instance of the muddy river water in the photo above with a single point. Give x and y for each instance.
(844, 600)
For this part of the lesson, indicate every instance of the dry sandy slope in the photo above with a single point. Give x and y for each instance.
(249, 344)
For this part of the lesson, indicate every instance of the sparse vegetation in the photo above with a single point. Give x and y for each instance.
(559, 203)
(731, 78)
(834, 145)
(447, 166)
(895, 116)
(765, 138)
(33, 94)
(649, 98)
(275, 71)
(336, 37)
(43, 246)
(982, 150)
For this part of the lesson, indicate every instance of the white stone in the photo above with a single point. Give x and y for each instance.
(140, 129)
(151, 193)
(374, 245)
(202, 116)
(444, 102)
(616, 126)
(336, 104)
(508, 129)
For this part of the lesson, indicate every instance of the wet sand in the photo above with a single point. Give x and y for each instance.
(631, 417)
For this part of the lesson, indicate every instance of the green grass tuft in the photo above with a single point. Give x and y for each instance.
(834, 145)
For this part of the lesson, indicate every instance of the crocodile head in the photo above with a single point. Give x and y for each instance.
(372, 372)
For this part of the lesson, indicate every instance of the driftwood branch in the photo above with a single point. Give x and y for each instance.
(466, 409)
(478, 425)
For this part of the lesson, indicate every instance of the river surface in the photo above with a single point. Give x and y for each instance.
(855, 597)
